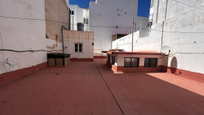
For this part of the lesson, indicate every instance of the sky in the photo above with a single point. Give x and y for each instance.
(143, 6)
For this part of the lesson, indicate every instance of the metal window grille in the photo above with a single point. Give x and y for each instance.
(151, 62)
(131, 62)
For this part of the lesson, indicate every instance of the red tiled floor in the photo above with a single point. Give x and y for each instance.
(79, 89)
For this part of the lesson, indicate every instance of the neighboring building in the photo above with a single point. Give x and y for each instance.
(111, 17)
(178, 24)
(79, 45)
(79, 15)
(24, 25)
(57, 15)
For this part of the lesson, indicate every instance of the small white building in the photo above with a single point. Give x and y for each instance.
(111, 17)
(121, 62)
(79, 44)
(79, 15)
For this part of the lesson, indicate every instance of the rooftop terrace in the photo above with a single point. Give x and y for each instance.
(91, 88)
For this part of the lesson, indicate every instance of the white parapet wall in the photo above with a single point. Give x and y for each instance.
(20, 32)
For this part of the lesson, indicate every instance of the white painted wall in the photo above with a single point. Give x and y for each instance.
(104, 19)
(79, 15)
(86, 38)
(183, 31)
(22, 34)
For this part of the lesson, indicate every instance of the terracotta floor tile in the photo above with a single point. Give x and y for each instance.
(138, 105)
(145, 112)
(82, 90)
(68, 110)
(131, 112)
(52, 111)
(35, 111)
(83, 110)
(84, 100)
(108, 99)
(96, 100)
(57, 102)
(112, 107)
(71, 101)
(18, 112)
(126, 106)
(98, 108)
(114, 113)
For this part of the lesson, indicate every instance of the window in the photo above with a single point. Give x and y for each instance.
(78, 47)
(131, 62)
(86, 21)
(72, 12)
(108, 58)
(113, 60)
(46, 36)
(151, 62)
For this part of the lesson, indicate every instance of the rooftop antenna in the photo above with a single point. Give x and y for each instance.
(83, 4)
(133, 23)
(166, 50)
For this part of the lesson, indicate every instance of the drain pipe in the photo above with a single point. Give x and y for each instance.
(63, 37)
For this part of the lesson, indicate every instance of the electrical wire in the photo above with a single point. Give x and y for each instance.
(8, 63)
(97, 26)
(188, 4)
(185, 53)
(54, 21)
(21, 51)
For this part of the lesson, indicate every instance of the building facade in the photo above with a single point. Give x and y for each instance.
(56, 15)
(79, 15)
(178, 24)
(111, 17)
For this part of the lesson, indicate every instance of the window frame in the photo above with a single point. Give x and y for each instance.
(113, 62)
(149, 65)
(108, 59)
(138, 62)
(86, 21)
(78, 47)
(71, 12)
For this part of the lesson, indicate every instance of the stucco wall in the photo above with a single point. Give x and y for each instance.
(85, 38)
(56, 14)
(22, 34)
(105, 15)
(183, 31)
